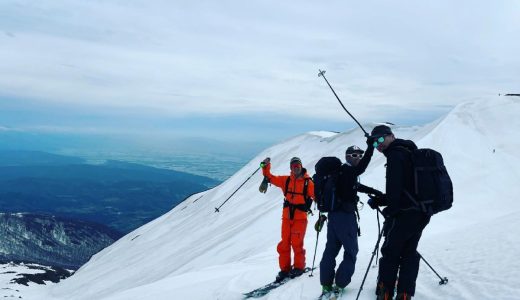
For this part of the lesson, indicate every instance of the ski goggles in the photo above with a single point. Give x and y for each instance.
(355, 155)
(296, 165)
(378, 141)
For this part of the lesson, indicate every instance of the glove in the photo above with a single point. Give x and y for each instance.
(372, 202)
(263, 185)
(265, 162)
(319, 224)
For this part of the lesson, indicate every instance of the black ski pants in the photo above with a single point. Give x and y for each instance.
(399, 251)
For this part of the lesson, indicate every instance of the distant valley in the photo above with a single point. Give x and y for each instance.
(117, 194)
(58, 210)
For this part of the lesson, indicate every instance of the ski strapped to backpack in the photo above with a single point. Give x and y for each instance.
(433, 188)
(292, 207)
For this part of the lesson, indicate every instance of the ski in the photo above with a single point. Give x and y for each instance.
(262, 291)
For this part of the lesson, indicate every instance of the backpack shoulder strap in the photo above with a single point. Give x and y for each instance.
(286, 186)
(305, 186)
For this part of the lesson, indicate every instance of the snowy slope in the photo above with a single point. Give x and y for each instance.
(194, 253)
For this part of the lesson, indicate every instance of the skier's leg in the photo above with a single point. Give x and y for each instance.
(410, 258)
(348, 237)
(297, 236)
(328, 260)
(284, 247)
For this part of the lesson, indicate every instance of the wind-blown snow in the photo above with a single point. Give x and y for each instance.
(194, 253)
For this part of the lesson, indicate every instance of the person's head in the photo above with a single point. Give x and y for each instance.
(353, 155)
(296, 166)
(382, 136)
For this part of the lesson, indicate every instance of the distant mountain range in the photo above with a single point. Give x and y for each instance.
(120, 195)
(51, 240)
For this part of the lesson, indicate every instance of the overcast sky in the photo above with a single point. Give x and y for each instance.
(229, 68)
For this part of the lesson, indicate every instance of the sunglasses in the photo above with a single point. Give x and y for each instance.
(296, 165)
(355, 155)
(379, 141)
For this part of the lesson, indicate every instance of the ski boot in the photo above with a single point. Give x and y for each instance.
(326, 292)
(281, 276)
(296, 273)
(338, 292)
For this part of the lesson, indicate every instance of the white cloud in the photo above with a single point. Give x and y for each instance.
(232, 57)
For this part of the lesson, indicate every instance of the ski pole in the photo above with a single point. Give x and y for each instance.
(443, 280)
(321, 221)
(217, 209)
(378, 230)
(370, 263)
(322, 74)
(315, 248)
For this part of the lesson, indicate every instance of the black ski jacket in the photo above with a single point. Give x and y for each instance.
(399, 176)
(348, 185)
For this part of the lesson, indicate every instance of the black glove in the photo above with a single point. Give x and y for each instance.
(319, 224)
(372, 202)
(263, 185)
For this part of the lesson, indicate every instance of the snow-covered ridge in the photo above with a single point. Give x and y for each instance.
(194, 253)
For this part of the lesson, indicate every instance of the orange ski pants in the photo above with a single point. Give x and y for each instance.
(293, 233)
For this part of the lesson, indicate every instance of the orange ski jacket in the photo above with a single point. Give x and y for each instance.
(294, 193)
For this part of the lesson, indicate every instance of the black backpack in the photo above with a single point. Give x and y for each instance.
(433, 189)
(325, 180)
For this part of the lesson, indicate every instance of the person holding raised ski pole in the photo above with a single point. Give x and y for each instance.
(337, 190)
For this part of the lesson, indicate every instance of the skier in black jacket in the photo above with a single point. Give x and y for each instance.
(342, 228)
(404, 223)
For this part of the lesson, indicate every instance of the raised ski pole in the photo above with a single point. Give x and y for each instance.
(370, 263)
(443, 280)
(322, 74)
(217, 209)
